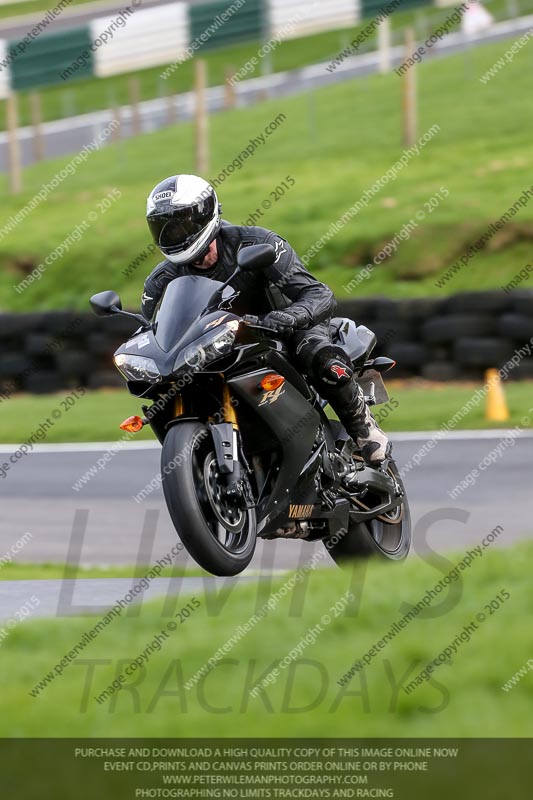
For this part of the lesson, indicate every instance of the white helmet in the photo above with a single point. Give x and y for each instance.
(183, 215)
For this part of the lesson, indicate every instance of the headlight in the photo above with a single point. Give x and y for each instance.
(209, 347)
(195, 356)
(137, 368)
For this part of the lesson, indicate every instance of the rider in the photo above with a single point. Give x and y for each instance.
(183, 215)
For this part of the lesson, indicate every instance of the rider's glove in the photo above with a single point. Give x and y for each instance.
(287, 321)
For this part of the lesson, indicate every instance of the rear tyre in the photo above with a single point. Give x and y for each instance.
(219, 534)
(388, 537)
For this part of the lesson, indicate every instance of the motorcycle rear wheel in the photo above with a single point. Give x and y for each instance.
(387, 536)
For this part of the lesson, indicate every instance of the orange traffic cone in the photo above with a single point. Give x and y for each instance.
(496, 409)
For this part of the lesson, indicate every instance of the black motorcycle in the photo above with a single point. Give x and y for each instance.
(247, 448)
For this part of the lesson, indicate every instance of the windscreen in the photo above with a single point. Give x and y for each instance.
(182, 303)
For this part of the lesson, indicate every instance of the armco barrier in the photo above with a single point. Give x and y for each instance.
(441, 339)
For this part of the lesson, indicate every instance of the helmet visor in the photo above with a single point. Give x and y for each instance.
(177, 229)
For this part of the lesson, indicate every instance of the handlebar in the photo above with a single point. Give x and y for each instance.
(252, 322)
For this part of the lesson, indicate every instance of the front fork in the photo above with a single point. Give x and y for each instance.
(228, 451)
(226, 439)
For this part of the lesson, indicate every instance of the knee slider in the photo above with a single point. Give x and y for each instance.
(332, 366)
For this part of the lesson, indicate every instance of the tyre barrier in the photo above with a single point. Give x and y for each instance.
(41, 353)
(451, 338)
(440, 339)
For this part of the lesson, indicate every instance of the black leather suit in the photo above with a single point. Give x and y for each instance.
(287, 283)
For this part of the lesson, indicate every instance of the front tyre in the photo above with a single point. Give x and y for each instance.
(219, 534)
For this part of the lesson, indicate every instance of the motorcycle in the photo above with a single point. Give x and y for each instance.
(248, 450)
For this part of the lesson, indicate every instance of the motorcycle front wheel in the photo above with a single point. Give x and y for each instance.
(216, 530)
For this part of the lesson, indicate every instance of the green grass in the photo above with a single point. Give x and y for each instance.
(427, 406)
(96, 416)
(21, 571)
(463, 699)
(335, 143)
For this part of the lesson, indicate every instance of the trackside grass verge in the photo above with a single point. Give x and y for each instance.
(463, 698)
(96, 416)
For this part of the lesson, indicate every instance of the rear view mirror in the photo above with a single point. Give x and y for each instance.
(104, 304)
(256, 257)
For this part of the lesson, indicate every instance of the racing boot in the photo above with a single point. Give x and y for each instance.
(349, 404)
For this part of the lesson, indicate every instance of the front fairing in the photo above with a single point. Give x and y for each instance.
(184, 301)
(179, 322)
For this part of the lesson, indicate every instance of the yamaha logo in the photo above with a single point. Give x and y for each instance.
(299, 511)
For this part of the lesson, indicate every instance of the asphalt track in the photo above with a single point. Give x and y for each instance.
(103, 524)
(66, 598)
(70, 135)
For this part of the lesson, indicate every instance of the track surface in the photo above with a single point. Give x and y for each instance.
(103, 524)
(111, 527)
(68, 598)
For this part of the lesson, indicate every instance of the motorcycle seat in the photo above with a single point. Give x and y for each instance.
(357, 340)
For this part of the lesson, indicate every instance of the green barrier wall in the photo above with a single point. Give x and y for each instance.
(245, 24)
(371, 8)
(46, 57)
